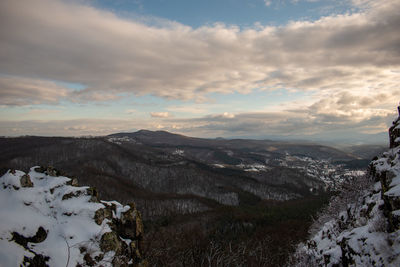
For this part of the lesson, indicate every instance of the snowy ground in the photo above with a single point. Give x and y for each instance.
(63, 211)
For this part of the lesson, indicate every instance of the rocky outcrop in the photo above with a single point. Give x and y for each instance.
(386, 170)
(47, 220)
(367, 231)
(26, 181)
(394, 132)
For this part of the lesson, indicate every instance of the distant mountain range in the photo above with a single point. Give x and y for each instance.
(164, 139)
(149, 166)
(330, 139)
(203, 192)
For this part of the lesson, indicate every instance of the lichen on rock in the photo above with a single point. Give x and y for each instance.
(26, 181)
(111, 242)
(102, 214)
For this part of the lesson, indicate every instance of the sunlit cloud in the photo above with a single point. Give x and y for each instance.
(131, 111)
(160, 114)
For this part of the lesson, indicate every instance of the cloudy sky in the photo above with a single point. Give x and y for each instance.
(300, 69)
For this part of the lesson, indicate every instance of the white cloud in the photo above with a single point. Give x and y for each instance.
(159, 114)
(192, 109)
(131, 111)
(228, 115)
(17, 91)
(267, 2)
(40, 112)
(112, 56)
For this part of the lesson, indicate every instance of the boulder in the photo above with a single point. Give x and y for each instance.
(26, 181)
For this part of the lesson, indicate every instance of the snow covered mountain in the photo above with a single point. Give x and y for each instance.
(362, 225)
(47, 220)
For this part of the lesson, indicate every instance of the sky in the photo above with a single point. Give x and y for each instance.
(284, 69)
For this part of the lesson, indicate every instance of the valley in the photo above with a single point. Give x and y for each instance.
(241, 194)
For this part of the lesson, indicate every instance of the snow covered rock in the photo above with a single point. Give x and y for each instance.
(386, 170)
(367, 233)
(394, 132)
(47, 220)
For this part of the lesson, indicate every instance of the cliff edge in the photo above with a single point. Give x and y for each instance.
(364, 220)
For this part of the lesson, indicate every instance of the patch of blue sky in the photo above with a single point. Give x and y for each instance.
(233, 103)
(144, 104)
(12, 113)
(35, 112)
(243, 13)
(126, 107)
(63, 111)
(218, 103)
(64, 84)
(140, 107)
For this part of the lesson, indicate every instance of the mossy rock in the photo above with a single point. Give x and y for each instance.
(139, 224)
(120, 261)
(26, 181)
(111, 207)
(127, 225)
(40, 236)
(92, 191)
(128, 216)
(37, 260)
(73, 182)
(101, 214)
(135, 252)
(394, 222)
(40, 169)
(136, 255)
(51, 171)
(134, 218)
(89, 260)
(143, 263)
(72, 194)
(111, 242)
